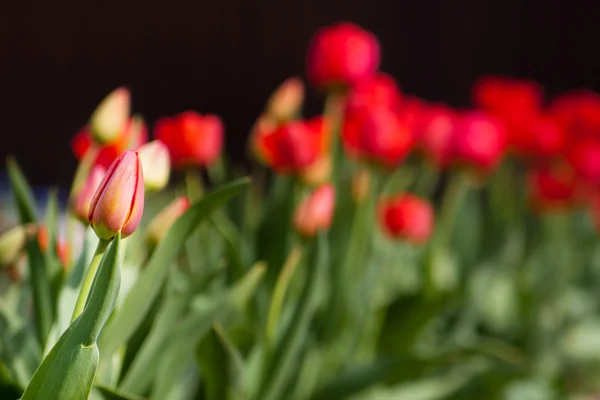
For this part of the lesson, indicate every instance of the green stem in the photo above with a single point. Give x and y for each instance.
(89, 279)
(428, 180)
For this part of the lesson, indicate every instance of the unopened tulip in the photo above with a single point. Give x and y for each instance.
(295, 146)
(118, 203)
(82, 200)
(315, 212)
(318, 172)
(480, 141)
(540, 137)
(192, 139)
(12, 243)
(407, 217)
(285, 103)
(578, 114)
(379, 90)
(436, 128)
(81, 142)
(584, 158)
(552, 187)
(161, 223)
(110, 116)
(377, 134)
(156, 164)
(341, 55)
(507, 98)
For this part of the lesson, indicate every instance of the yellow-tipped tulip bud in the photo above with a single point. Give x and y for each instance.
(156, 164)
(81, 202)
(110, 116)
(286, 101)
(118, 203)
(161, 223)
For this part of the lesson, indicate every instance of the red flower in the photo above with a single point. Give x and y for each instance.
(315, 212)
(192, 139)
(377, 134)
(539, 137)
(341, 55)
(578, 114)
(480, 141)
(380, 90)
(584, 157)
(292, 147)
(552, 187)
(435, 131)
(507, 98)
(407, 217)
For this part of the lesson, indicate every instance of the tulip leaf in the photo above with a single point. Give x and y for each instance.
(112, 394)
(142, 295)
(169, 368)
(22, 192)
(69, 369)
(280, 368)
(53, 264)
(41, 289)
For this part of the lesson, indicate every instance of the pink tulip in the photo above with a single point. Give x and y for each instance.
(83, 199)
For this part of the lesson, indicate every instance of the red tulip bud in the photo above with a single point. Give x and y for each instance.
(110, 116)
(552, 188)
(82, 200)
(341, 55)
(480, 141)
(436, 127)
(192, 139)
(161, 223)
(81, 142)
(380, 90)
(315, 212)
(578, 114)
(407, 217)
(118, 203)
(156, 164)
(584, 157)
(285, 103)
(377, 134)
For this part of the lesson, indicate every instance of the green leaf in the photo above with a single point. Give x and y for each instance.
(140, 298)
(53, 265)
(69, 369)
(112, 394)
(9, 390)
(280, 367)
(41, 290)
(186, 335)
(22, 192)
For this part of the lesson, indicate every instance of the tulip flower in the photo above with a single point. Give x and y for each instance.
(436, 128)
(12, 243)
(341, 55)
(81, 202)
(156, 164)
(118, 203)
(377, 134)
(192, 139)
(552, 187)
(161, 223)
(110, 116)
(285, 103)
(315, 212)
(578, 114)
(480, 141)
(539, 137)
(407, 217)
(584, 158)
(380, 90)
(361, 185)
(293, 147)
(506, 98)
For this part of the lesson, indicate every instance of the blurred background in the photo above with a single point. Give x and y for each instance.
(58, 60)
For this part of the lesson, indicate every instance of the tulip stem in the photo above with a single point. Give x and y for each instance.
(89, 278)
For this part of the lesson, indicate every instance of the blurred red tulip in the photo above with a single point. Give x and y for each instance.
(192, 139)
(341, 55)
(407, 217)
(584, 157)
(539, 137)
(81, 142)
(578, 114)
(377, 134)
(507, 98)
(380, 90)
(315, 212)
(435, 131)
(480, 141)
(552, 187)
(293, 147)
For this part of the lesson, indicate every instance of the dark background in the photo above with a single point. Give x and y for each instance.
(59, 59)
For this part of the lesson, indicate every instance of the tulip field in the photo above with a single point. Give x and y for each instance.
(387, 248)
